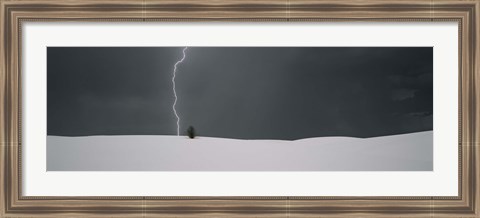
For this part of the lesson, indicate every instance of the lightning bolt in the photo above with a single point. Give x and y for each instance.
(175, 92)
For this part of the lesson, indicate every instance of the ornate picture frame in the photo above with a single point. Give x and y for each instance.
(15, 12)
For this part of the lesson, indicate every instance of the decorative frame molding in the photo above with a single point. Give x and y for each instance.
(14, 12)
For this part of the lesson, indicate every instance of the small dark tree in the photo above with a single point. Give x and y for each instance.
(191, 132)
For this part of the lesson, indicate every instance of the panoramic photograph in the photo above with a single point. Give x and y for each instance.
(239, 108)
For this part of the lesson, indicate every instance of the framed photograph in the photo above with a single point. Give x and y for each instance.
(239, 109)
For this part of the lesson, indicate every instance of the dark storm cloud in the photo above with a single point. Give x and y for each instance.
(241, 92)
(109, 91)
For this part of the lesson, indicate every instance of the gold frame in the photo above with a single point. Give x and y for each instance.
(14, 12)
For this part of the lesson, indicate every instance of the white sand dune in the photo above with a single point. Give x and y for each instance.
(406, 152)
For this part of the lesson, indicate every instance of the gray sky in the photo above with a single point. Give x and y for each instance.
(240, 92)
